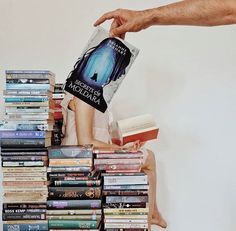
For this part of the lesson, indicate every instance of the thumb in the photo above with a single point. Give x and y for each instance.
(119, 31)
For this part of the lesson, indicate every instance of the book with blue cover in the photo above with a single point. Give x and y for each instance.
(100, 69)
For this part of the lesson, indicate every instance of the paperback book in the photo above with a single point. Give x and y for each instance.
(100, 69)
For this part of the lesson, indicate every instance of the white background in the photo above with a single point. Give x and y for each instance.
(184, 76)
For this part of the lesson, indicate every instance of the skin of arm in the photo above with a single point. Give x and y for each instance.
(188, 12)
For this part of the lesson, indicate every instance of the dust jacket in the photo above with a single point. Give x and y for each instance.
(100, 69)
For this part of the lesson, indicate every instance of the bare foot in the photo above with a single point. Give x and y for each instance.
(157, 219)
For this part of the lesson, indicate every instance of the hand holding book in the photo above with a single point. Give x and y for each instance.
(134, 131)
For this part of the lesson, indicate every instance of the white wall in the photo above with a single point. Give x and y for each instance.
(185, 76)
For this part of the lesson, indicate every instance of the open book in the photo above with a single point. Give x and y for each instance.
(142, 128)
(100, 70)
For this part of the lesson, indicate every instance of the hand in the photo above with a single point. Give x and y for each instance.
(125, 21)
(133, 146)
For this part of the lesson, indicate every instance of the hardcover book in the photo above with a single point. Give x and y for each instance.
(142, 128)
(100, 70)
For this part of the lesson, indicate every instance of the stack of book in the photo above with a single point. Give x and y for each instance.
(25, 133)
(111, 160)
(125, 204)
(57, 96)
(74, 198)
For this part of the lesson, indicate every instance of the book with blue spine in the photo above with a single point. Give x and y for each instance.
(25, 225)
(24, 134)
(22, 86)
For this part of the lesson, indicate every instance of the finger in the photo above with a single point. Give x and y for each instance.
(106, 16)
(114, 25)
(119, 31)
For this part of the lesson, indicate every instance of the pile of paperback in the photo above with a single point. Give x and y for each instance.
(74, 193)
(25, 133)
(57, 96)
(125, 190)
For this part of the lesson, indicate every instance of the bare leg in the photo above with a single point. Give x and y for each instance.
(149, 168)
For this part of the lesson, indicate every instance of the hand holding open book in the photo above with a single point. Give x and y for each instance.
(136, 130)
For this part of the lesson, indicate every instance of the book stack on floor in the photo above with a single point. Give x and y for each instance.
(25, 133)
(57, 96)
(74, 198)
(125, 189)
(125, 204)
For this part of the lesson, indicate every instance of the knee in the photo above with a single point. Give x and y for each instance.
(151, 156)
(150, 161)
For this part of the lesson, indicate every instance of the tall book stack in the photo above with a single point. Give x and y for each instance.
(25, 133)
(74, 198)
(57, 96)
(125, 189)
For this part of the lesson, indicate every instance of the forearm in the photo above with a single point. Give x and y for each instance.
(194, 12)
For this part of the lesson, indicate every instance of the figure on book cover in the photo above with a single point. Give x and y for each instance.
(100, 66)
(83, 124)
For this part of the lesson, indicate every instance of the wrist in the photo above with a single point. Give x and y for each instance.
(150, 17)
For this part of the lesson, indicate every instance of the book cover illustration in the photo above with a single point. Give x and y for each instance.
(100, 70)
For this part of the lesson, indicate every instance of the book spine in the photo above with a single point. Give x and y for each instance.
(24, 183)
(10, 86)
(118, 167)
(26, 99)
(126, 199)
(24, 158)
(24, 127)
(32, 154)
(76, 152)
(27, 81)
(25, 178)
(16, 206)
(24, 169)
(65, 212)
(69, 169)
(74, 217)
(126, 226)
(26, 216)
(59, 95)
(22, 134)
(26, 92)
(125, 220)
(74, 192)
(121, 180)
(74, 204)
(19, 211)
(125, 205)
(117, 161)
(83, 175)
(70, 162)
(22, 143)
(25, 227)
(126, 187)
(120, 156)
(23, 163)
(28, 104)
(65, 224)
(125, 193)
(117, 229)
(90, 183)
(126, 211)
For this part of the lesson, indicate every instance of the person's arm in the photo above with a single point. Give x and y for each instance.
(84, 119)
(189, 12)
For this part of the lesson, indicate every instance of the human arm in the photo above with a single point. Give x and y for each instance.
(189, 12)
